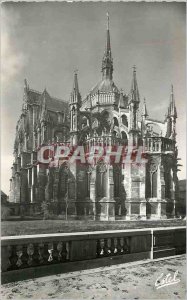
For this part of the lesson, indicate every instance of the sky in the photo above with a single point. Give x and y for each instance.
(46, 42)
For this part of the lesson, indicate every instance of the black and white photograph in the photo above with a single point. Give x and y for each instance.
(93, 150)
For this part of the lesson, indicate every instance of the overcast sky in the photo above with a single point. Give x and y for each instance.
(46, 42)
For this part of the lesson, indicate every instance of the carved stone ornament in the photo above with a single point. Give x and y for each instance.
(95, 123)
(89, 169)
(101, 166)
(153, 165)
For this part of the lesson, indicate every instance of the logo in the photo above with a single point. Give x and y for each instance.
(52, 154)
(166, 280)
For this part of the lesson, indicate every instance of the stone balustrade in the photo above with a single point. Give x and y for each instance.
(39, 255)
(158, 144)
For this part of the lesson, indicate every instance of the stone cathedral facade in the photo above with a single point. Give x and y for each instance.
(106, 116)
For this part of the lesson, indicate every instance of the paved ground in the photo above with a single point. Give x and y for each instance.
(126, 281)
(60, 226)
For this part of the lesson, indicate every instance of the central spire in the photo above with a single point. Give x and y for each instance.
(107, 48)
(107, 20)
(107, 62)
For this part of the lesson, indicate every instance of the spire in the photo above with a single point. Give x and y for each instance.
(25, 96)
(75, 82)
(75, 95)
(144, 110)
(121, 100)
(171, 117)
(134, 93)
(44, 98)
(108, 48)
(107, 20)
(107, 62)
(172, 107)
(44, 113)
(25, 85)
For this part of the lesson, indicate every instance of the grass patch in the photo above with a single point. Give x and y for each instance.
(60, 226)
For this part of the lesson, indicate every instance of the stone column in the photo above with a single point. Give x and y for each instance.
(126, 186)
(55, 185)
(110, 191)
(159, 192)
(93, 190)
(29, 175)
(142, 174)
(16, 189)
(172, 194)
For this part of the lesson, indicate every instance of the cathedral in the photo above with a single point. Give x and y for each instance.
(105, 116)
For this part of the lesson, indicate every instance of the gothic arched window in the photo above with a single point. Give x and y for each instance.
(124, 138)
(116, 122)
(117, 177)
(154, 184)
(124, 120)
(73, 118)
(59, 136)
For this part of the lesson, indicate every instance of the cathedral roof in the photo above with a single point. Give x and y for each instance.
(105, 86)
(52, 103)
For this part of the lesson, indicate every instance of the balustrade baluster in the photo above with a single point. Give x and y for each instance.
(41, 253)
(30, 252)
(55, 252)
(121, 241)
(67, 250)
(115, 250)
(101, 244)
(59, 249)
(19, 252)
(50, 251)
(108, 246)
(25, 256)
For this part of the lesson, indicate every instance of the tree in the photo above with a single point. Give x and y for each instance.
(5, 212)
(45, 210)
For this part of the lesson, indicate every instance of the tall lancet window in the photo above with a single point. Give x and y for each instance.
(124, 120)
(117, 177)
(124, 138)
(59, 117)
(101, 180)
(73, 124)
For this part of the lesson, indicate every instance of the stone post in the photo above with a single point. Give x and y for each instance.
(93, 190)
(126, 185)
(142, 174)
